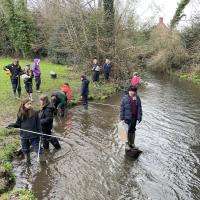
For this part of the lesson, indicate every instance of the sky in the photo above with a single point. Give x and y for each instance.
(151, 10)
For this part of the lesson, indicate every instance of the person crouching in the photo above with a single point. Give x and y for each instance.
(59, 101)
(46, 120)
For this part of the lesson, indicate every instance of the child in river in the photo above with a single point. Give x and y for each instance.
(28, 120)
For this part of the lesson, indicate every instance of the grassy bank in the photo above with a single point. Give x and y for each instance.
(195, 78)
(9, 105)
(9, 140)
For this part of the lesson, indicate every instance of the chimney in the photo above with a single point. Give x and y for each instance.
(161, 20)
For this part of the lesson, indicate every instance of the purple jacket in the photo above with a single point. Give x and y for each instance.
(36, 68)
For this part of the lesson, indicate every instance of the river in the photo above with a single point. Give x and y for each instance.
(91, 164)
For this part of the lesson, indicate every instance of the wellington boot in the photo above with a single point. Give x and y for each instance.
(42, 159)
(27, 158)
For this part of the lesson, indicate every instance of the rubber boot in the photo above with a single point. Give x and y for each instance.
(27, 158)
(42, 159)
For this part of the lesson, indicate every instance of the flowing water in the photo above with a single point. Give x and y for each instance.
(91, 164)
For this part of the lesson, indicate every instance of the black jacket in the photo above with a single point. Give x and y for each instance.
(46, 118)
(31, 124)
(15, 70)
(85, 87)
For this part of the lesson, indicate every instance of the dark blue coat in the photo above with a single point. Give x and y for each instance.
(107, 68)
(31, 124)
(15, 70)
(46, 118)
(85, 87)
(125, 108)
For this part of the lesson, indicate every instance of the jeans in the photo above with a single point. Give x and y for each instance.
(26, 143)
(16, 86)
(48, 139)
(96, 76)
(85, 102)
(106, 75)
(38, 82)
(28, 87)
(131, 130)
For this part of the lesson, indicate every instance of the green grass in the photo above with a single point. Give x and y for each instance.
(9, 105)
(18, 195)
(195, 78)
(9, 141)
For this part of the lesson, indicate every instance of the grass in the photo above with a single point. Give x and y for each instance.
(9, 105)
(195, 78)
(18, 195)
(9, 144)
(9, 141)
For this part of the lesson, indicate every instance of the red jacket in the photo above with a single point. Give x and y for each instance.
(67, 90)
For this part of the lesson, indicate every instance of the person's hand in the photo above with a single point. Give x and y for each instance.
(8, 127)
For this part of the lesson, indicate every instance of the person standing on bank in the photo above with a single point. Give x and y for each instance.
(28, 79)
(28, 119)
(130, 113)
(84, 91)
(46, 120)
(37, 73)
(107, 68)
(15, 72)
(96, 71)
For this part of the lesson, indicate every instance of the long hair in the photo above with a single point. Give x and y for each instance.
(28, 71)
(23, 113)
(45, 100)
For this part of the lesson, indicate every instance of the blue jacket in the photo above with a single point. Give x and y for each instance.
(125, 108)
(85, 87)
(107, 68)
(46, 118)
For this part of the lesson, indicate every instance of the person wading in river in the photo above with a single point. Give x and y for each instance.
(130, 113)
(46, 120)
(28, 119)
(59, 101)
(15, 72)
(84, 91)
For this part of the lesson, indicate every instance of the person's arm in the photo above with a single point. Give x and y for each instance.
(104, 67)
(7, 68)
(17, 124)
(21, 71)
(83, 88)
(48, 118)
(38, 124)
(139, 109)
(122, 109)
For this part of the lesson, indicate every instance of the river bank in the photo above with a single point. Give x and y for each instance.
(9, 107)
(195, 78)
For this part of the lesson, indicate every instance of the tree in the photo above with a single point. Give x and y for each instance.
(109, 26)
(178, 14)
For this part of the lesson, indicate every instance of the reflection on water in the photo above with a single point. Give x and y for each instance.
(91, 164)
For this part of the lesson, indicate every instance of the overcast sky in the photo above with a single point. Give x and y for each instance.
(148, 10)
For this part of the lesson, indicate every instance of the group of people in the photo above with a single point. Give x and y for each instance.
(96, 70)
(31, 122)
(15, 71)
